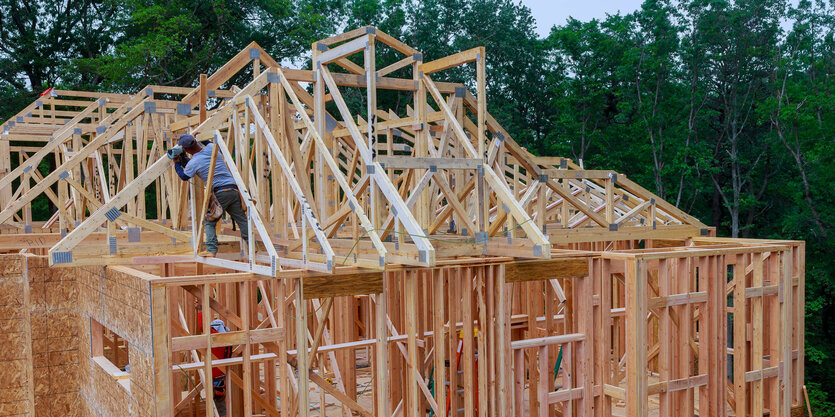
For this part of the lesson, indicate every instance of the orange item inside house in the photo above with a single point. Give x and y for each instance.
(218, 352)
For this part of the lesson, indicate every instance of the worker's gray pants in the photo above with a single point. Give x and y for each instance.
(230, 200)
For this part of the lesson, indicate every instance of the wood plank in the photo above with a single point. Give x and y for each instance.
(337, 285)
(540, 270)
(450, 61)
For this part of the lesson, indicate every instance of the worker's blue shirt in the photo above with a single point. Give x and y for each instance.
(199, 164)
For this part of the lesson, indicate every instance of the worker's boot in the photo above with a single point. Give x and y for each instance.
(206, 254)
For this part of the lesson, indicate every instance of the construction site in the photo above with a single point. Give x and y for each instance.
(420, 263)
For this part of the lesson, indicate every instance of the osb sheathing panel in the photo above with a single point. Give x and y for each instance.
(102, 396)
(65, 380)
(107, 397)
(142, 383)
(116, 299)
(54, 338)
(119, 301)
(14, 346)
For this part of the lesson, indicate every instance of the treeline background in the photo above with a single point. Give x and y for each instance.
(724, 108)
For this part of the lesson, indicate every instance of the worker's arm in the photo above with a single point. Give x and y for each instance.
(179, 164)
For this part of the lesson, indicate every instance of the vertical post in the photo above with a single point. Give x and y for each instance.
(540, 206)
(503, 294)
(261, 179)
(740, 342)
(127, 163)
(142, 127)
(467, 357)
(277, 214)
(454, 285)
(319, 119)
(665, 330)
(245, 146)
(301, 349)
(161, 322)
(483, 355)
(63, 219)
(207, 356)
(610, 201)
(800, 314)
(244, 296)
(381, 352)
(564, 208)
(786, 326)
(371, 97)
(519, 382)
(410, 288)
(717, 275)
(492, 349)
(685, 279)
(460, 176)
(481, 76)
(702, 329)
(542, 387)
(204, 85)
(421, 142)
(533, 308)
(438, 336)
(585, 322)
(5, 168)
(636, 332)
(284, 379)
(773, 333)
(599, 270)
(96, 338)
(376, 220)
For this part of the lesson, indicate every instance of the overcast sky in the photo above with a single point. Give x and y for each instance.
(556, 12)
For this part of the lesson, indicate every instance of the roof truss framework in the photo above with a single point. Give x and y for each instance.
(343, 188)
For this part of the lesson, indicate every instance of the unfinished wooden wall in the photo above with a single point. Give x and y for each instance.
(39, 337)
(119, 300)
(711, 332)
(711, 329)
(47, 364)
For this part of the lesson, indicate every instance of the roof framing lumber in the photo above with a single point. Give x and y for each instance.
(398, 178)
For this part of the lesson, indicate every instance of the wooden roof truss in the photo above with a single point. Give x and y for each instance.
(329, 182)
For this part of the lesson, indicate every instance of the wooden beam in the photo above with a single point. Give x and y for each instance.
(450, 61)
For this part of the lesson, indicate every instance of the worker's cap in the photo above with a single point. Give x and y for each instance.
(219, 326)
(186, 141)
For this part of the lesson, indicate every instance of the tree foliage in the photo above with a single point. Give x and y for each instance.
(723, 107)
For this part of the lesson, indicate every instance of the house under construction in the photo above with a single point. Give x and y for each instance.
(411, 263)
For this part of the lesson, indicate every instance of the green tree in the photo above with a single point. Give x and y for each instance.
(583, 88)
(171, 43)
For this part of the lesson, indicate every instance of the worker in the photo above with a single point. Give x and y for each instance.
(218, 376)
(223, 185)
